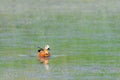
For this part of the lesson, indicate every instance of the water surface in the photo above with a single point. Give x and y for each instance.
(83, 36)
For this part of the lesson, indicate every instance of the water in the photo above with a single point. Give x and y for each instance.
(83, 37)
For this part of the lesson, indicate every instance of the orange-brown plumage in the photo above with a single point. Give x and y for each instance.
(44, 54)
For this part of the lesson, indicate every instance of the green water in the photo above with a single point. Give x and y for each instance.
(83, 36)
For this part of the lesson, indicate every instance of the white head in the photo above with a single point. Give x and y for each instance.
(47, 47)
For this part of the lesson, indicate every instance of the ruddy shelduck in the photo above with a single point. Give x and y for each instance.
(44, 54)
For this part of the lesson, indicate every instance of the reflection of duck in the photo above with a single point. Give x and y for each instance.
(44, 54)
(44, 59)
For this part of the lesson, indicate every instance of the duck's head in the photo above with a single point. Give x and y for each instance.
(47, 47)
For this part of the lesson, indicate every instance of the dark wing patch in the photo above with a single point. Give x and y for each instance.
(40, 50)
(48, 48)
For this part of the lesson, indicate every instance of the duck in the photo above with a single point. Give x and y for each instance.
(44, 52)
